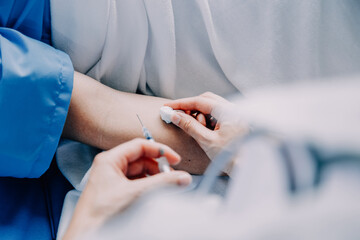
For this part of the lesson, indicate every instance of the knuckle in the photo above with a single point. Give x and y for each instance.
(202, 139)
(210, 138)
(208, 94)
(138, 141)
(187, 125)
(98, 158)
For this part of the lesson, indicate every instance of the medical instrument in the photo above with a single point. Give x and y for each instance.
(166, 113)
(162, 161)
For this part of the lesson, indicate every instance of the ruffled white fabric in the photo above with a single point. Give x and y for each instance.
(183, 48)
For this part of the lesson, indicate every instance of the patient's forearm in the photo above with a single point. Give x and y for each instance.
(103, 117)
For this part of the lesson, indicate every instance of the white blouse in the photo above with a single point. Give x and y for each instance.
(185, 47)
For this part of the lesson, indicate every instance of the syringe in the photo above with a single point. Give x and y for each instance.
(162, 161)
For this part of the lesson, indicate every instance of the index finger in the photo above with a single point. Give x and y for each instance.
(198, 103)
(137, 148)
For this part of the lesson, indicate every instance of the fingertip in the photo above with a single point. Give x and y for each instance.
(175, 118)
(201, 119)
(172, 157)
(184, 178)
(179, 178)
(178, 157)
(175, 161)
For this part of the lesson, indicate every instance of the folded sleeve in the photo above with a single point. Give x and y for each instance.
(35, 90)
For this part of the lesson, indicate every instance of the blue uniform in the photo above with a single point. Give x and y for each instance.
(35, 91)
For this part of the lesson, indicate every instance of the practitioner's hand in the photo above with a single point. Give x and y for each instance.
(110, 189)
(216, 130)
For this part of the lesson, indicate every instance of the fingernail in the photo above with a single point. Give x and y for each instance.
(184, 179)
(175, 118)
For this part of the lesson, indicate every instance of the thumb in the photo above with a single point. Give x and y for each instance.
(179, 178)
(190, 125)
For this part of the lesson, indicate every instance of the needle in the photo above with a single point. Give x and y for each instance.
(162, 161)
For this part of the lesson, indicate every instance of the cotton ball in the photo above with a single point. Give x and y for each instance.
(166, 113)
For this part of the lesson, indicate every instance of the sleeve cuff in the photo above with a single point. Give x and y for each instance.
(58, 118)
(36, 83)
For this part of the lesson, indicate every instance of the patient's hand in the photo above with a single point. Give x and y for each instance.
(210, 134)
(117, 178)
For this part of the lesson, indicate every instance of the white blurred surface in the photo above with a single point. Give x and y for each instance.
(325, 113)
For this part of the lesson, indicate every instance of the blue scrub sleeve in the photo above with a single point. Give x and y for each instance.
(35, 90)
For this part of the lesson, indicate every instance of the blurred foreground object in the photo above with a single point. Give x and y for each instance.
(297, 177)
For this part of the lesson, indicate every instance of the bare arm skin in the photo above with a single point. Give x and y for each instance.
(104, 118)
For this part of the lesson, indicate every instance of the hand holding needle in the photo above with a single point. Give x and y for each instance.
(162, 161)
